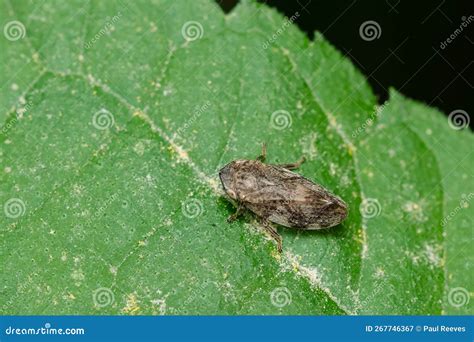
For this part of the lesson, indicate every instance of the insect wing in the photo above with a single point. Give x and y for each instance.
(289, 199)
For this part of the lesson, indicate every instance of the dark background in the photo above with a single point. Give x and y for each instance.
(407, 56)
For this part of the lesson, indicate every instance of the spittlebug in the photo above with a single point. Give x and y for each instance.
(276, 194)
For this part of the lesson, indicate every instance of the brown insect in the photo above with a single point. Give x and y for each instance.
(276, 194)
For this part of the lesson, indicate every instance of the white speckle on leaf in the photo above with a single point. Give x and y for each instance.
(36, 57)
(308, 144)
(167, 91)
(20, 112)
(7, 169)
(139, 148)
(182, 153)
(414, 258)
(365, 246)
(432, 254)
(415, 211)
(77, 189)
(150, 180)
(91, 79)
(379, 273)
(14, 87)
(214, 183)
(345, 181)
(69, 296)
(312, 274)
(78, 276)
(160, 302)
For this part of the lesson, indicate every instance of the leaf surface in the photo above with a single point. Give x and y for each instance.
(116, 122)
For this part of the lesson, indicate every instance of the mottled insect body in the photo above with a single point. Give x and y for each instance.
(276, 194)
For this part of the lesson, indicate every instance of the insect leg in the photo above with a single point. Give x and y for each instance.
(273, 233)
(293, 166)
(263, 156)
(238, 212)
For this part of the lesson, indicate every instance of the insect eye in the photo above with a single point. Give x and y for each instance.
(231, 193)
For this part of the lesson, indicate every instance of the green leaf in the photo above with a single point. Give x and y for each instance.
(453, 152)
(117, 117)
